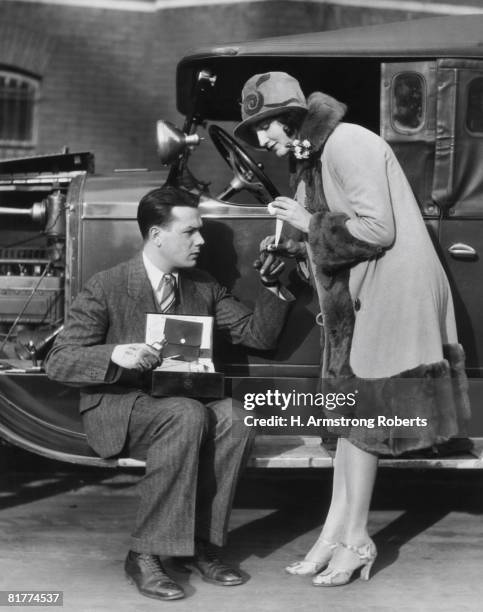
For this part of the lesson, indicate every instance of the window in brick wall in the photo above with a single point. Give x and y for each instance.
(18, 98)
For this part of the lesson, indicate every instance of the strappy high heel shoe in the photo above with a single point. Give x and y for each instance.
(337, 576)
(310, 568)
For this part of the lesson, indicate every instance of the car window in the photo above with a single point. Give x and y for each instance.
(408, 102)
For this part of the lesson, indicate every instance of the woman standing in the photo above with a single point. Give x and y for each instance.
(386, 307)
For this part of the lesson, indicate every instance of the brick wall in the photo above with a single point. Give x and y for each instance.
(111, 74)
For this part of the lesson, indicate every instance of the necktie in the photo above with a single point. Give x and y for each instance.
(167, 292)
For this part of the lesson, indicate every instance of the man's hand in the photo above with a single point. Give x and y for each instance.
(139, 356)
(269, 265)
(290, 211)
(285, 248)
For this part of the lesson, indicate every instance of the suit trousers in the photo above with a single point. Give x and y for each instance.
(194, 454)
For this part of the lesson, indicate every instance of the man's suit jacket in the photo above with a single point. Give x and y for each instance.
(112, 310)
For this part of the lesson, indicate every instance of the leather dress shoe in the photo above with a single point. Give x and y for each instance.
(210, 568)
(148, 574)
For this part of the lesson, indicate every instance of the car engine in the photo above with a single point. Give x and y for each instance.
(33, 205)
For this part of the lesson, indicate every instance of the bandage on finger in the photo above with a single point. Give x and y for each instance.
(268, 263)
(278, 231)
(276, 270)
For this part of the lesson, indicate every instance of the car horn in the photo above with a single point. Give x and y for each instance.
(172, 142)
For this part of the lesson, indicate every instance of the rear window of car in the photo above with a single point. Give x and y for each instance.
(408, 102)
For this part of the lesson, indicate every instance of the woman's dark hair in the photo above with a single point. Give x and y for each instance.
(291, 121)
(155, 207)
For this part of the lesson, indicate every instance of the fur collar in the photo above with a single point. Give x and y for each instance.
(323, 115)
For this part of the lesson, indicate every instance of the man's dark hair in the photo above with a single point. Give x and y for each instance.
(155, 207)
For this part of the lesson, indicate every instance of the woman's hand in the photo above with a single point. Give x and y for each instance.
(290, 211)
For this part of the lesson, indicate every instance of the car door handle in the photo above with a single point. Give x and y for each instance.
(462, 251)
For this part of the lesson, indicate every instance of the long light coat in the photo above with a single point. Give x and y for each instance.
(385, 299)
(405, 309)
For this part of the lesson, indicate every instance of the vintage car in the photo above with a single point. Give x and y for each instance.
(419, 84)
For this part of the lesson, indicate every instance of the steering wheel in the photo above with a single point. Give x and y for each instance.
(247, 174)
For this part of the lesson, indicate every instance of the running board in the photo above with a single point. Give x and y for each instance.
(307, 452)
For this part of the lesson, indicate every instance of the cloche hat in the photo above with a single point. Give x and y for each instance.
(264, 96)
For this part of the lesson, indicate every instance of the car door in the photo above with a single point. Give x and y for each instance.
(458, 192)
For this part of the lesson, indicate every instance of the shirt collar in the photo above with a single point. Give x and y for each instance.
(154, 273)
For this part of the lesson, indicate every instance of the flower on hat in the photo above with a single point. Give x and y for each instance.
(302, 149)
(253, 103)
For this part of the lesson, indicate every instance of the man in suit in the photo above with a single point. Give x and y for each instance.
(193, 452)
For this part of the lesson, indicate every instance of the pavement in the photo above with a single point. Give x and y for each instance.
(67, 528)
